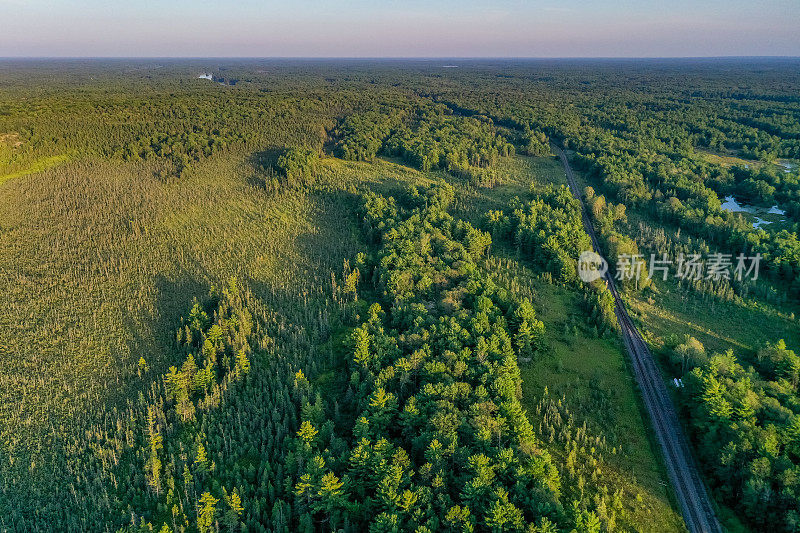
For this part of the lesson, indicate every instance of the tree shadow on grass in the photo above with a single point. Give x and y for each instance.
(333, 236)
(154, 338)
(262, 165)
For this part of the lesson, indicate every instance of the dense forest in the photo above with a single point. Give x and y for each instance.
(345, 296)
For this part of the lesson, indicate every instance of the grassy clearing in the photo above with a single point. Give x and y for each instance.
(99, 260)
(719, 325)
(40, 165)
(593, 373)
(591, 377)
(729, 159)
(516, 175)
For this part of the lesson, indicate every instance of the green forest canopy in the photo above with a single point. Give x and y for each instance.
(356, 363)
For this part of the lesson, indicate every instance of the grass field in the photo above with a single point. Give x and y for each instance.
(727, 159)
(99, 260)
(719, 325)
(16, 163)
(590, 377)
(731, 159)
(516, 175)
(126, 253)
(38, 166)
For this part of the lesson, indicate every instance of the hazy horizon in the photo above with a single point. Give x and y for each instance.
(408, 30)
(404, 58)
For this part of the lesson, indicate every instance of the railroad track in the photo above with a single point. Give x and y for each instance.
(694, 501)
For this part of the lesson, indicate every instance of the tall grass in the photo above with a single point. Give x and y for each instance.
(98, 260)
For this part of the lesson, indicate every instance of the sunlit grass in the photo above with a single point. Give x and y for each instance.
(39, 165)
(516, 176)
(726, 159)
(719, 325)
(591, 377)
(98, 260)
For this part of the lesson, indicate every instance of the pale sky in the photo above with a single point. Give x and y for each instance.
(395, 28)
